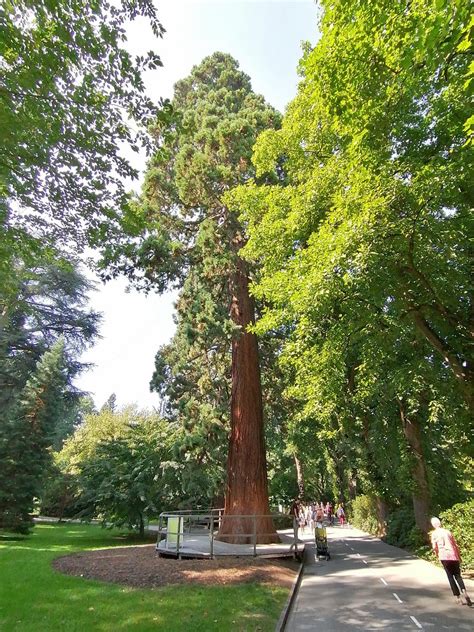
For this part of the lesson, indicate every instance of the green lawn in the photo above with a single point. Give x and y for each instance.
(34, 597)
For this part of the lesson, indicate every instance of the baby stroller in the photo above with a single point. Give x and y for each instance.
(322, 549)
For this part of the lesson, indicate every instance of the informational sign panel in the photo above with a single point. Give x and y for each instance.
(175, 526)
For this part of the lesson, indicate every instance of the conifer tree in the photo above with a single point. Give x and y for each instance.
(25, 436)
(44, 325)
(205, 149)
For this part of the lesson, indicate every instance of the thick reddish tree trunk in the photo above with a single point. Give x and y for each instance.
(247, 485)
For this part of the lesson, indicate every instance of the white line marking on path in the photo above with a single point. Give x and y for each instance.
(417, 623)
(358, 554)
(397, 597)
(364, 561)
(383, 581)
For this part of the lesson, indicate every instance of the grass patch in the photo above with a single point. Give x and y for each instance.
(34, 597)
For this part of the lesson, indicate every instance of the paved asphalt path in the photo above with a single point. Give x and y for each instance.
(370, 585)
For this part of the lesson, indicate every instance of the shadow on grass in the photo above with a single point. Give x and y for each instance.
(12, 538)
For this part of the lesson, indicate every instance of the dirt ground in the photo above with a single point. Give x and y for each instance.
(141, 567)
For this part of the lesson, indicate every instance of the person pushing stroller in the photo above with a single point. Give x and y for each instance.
(320, 535)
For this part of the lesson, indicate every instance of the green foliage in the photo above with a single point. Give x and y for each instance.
(45, 301)
(363, 514)
(59, 495)
(44, 325)
(283, 522)
(25, 436)
(205, 146)
(32, 592)
(119, 467)
(358, 219)
(77, 407)
(192, 375)
(101, 427)
(110, 404)
(459, 520)
(402, 530)
(69, 90)
(128, 480)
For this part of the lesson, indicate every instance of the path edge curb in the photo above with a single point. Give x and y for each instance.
(285, 613)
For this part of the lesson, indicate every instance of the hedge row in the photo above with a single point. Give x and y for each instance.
(401, 529)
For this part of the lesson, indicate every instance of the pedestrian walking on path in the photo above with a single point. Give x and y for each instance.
(447, 550)
(295, 514)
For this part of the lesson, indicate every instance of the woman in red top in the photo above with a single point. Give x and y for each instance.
(447, 550)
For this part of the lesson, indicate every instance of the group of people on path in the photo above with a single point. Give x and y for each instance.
(311, 514)
(442, 540)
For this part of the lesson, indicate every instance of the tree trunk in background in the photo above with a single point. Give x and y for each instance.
(382, 515)
(247, 485)
(382, 507)
(421, 493)
(461, 367)
(299, 476)
(353, 484)
(340, 472)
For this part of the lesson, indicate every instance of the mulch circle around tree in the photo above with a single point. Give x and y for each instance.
(141, 567)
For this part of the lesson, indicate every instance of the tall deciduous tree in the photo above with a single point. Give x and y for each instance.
(364, 236)
(126, 480)
(205, 150)
(118, 466)
(70, 96)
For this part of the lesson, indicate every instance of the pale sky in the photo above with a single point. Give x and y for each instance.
(265, 37)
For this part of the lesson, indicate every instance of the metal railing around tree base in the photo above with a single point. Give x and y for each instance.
(178, 530)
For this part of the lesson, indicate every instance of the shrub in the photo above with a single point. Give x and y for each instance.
(402, 530)
(364, 514)
(59, 497)
(459, 519)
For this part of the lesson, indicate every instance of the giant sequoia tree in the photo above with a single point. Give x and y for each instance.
(186, 229)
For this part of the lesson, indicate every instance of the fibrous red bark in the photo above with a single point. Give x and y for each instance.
(247, 484)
